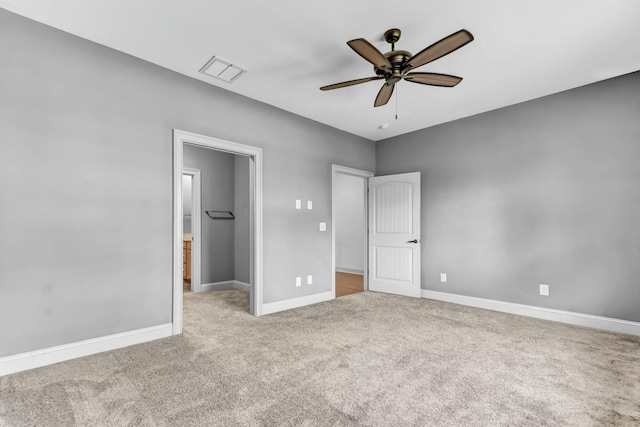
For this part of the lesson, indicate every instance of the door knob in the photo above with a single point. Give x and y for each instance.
(413, 241)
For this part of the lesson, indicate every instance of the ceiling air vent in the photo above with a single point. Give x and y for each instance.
(222, 69)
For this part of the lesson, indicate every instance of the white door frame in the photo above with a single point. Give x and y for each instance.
(196, 228)
(335, 169)
(255, 218)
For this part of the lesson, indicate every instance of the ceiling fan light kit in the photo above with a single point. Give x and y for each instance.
(396, 65)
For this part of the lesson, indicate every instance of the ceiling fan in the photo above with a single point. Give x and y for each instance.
(396, 65)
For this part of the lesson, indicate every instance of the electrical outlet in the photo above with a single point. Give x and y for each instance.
(443, 277)
(323, 226)
(309, 280)
(298, 281)
(298, 204)
(544, 290)
(309, 204)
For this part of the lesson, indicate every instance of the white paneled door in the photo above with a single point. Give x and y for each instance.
(394, 234)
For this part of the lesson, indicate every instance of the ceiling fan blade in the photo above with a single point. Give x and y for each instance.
(384, 95)
(370, 53)
(433, 79)
(350, 83)
(439, 49)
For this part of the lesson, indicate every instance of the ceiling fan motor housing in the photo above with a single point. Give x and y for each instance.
(397, 58)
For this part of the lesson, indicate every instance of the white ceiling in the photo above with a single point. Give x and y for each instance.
(522, 49)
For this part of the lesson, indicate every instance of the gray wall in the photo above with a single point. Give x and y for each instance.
(547, 191)
(241, 260)
(349, 223)
(86, 186)
(217, 193)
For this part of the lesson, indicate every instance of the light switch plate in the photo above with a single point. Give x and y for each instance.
(323, 226)
(309, 279)
(309, 204)
(298, 204)
(443, 277)
(298, 281)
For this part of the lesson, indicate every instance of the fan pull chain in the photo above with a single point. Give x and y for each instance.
(397, 90)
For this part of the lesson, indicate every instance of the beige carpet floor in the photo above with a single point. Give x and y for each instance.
(367, 359)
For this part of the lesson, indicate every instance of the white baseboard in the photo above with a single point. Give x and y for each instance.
(350, 270)
(227, 284)
(51, 355)
(580, 319)
(241, 286)
(216, 286)
(274, 307)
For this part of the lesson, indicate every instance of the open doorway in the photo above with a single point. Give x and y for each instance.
(349, 219)
(222, 215)
(216, 232)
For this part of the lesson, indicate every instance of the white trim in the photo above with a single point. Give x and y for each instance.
(349, 270)
(274, 307)
(255, 158)
(51, 355)
(178, 235)
(365, 175)
(227, 284)
(216, 286)
(196, 228)
(241, 286)
(580, 319)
